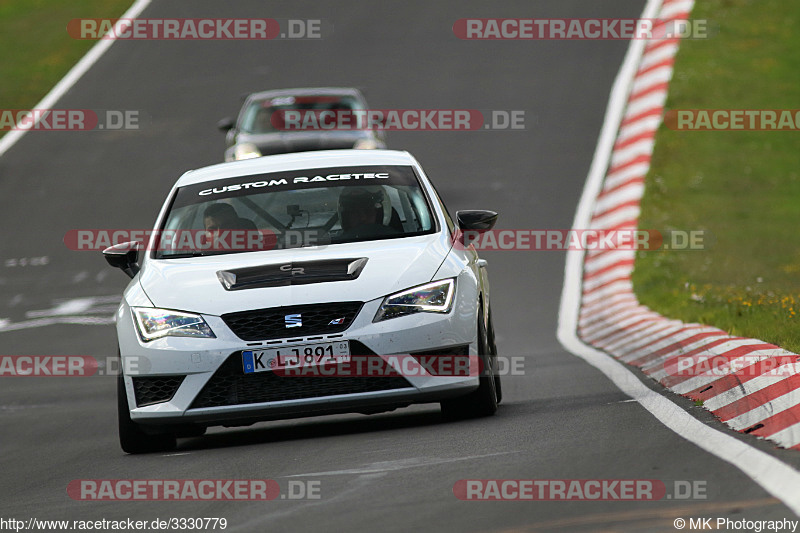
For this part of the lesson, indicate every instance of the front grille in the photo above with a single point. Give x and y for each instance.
(155, 389)
(315, 319)
(231, 386)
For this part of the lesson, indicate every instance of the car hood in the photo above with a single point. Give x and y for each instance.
(192, 284)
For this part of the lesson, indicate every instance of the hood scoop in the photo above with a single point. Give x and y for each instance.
(294, 273)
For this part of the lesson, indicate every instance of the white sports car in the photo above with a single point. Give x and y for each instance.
(299, 285)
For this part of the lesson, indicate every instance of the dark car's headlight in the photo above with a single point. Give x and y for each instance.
(434, 297)
(365, 144)
(154, 323)
(246, 151)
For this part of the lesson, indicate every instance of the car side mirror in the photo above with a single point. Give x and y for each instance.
(225, 124)
(476, 219)
(124, 256)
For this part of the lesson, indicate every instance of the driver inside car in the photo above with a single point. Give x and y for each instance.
(361, 214)
(220, 217)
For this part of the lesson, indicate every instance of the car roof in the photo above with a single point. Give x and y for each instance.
(307, 91)
(296, 161)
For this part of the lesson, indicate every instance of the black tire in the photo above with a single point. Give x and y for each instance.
(132, 438)
(189, 431)
(493, 350)
(483, 401)
(498, 387)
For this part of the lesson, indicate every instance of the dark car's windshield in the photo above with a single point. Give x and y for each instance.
(268, 116)
(297, 208)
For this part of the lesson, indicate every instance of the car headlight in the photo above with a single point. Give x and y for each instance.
(434, 297)
(155, 323)
(246, 151)
(365, 144)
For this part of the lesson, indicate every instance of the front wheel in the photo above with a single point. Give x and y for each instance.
(483, 401)
(493, 350)
(131, 437)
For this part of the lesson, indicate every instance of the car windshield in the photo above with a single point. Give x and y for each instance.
(269, 116)
(293, 209)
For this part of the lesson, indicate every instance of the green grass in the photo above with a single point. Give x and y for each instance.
(35, 49)
(742, 187)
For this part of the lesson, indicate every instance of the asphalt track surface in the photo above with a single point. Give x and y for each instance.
(562, 419)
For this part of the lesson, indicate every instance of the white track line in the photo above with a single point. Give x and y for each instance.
(776, 477)
(75, 73)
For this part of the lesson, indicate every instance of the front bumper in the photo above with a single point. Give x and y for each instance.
(193, 363)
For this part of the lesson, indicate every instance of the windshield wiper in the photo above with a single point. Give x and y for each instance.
(182, 255)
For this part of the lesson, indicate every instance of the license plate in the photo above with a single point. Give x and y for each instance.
(322, 353)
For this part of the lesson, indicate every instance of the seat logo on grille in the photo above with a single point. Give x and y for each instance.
(293, 321)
